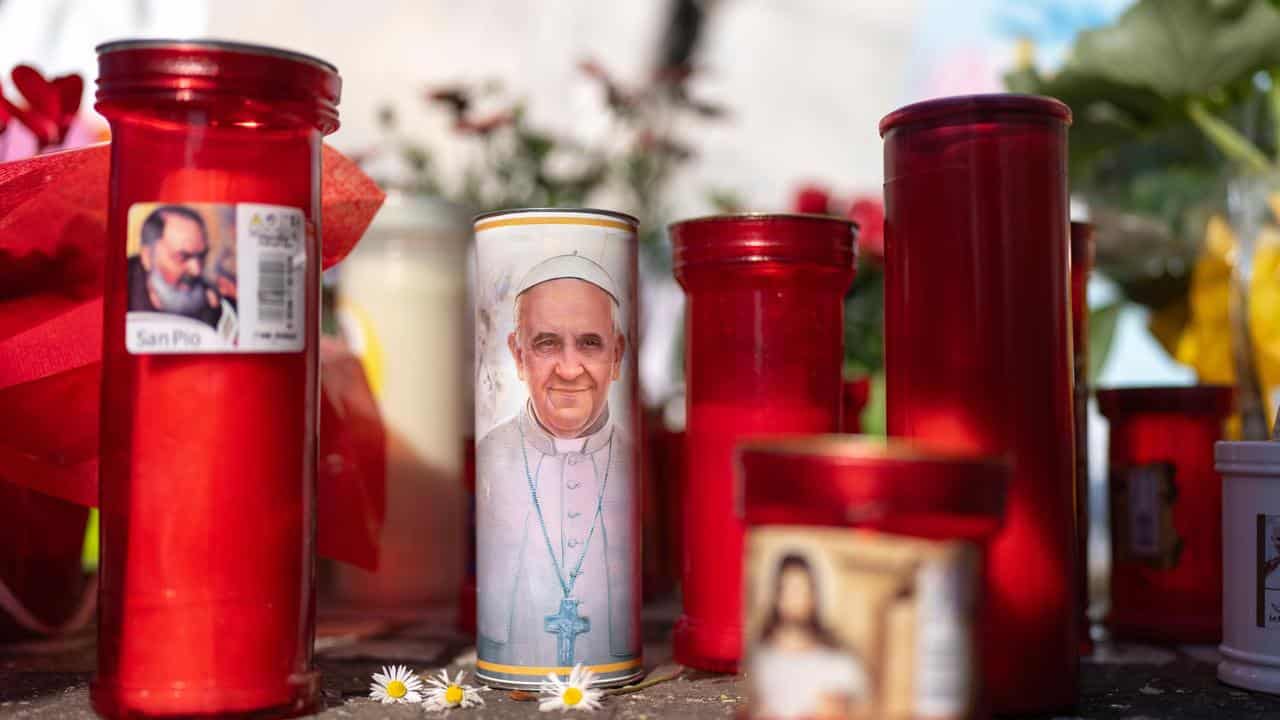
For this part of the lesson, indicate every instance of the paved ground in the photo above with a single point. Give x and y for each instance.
(50, 680)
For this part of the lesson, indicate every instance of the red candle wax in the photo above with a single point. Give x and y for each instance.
(978, 353)
(1166, 512)
(764, 346)
(1081, 265)
(208, 459)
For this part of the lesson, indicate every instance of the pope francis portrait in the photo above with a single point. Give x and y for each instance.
(556, 516)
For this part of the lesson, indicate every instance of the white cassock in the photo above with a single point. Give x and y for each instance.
(516, 575)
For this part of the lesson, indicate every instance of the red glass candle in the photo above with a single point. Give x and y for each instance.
(854, 396)
(467, 591)
(911, 637)
(764, 347)
(208, 458)
(1166, 512)
(978, 354)
(41, 543)
(661, 566)
(1081, 266)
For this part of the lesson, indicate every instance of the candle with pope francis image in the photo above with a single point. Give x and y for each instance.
(557, 427)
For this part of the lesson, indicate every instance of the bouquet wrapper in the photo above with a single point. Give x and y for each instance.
(53, 227)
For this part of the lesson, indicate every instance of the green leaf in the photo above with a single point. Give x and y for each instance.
(1102, 333)
(1182, 48)
(1105, 114)
(864, 321)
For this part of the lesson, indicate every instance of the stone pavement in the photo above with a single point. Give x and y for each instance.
(50, 680)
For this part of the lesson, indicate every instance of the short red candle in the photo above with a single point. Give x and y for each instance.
(1081, 266)
(208, 460)
(978, 353)
(764, 346)
(1166, 519)
(897, 488)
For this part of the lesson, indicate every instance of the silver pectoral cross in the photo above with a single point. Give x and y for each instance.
(566, 625)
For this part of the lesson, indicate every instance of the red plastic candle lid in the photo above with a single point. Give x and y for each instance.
(193, 71)
(1197, 399)
(966, 109)
(786, 238)
(892, 486)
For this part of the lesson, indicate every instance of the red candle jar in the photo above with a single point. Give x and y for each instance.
(853, 401)
(41, 544)
(661, 566)
(764, 344)
(978, 353)
(889, 538)
(1081, 266)
(1166, 512)
(467, 590)
(209, 392)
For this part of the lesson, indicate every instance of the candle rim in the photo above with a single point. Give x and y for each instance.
(236, 46)
(965, 109)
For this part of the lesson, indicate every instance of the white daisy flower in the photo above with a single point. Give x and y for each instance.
(396, 684)
(576, 694)
(446, 694)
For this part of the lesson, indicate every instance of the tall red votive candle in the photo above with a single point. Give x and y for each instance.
(209, 392)
(1081, 266)
(764, 346)
(978, 353)
(1166, 512)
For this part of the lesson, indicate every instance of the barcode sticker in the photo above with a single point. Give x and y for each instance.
(272, 241)
(216, 278)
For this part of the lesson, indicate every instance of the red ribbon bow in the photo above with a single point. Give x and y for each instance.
(53, 228)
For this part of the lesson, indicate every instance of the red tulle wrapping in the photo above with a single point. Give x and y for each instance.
(53, 219)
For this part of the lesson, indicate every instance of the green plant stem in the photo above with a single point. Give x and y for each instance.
(654, 678)
(1227, 139)
(1273, 99)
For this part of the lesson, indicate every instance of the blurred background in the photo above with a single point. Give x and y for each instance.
(672, 108)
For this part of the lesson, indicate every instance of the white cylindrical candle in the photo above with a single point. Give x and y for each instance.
(1250, 564)
(402, 306)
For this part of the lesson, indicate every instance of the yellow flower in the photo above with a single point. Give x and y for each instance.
(446, 694)
(576, 694)
(396, 684)
(1205, 342)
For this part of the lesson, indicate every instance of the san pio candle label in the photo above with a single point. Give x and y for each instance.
(557, 526)
(854, 623)
(215, 278)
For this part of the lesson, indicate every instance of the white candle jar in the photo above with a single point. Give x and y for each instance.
(1251, 564)
(402, 306)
